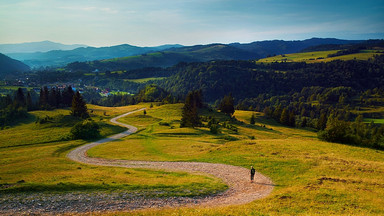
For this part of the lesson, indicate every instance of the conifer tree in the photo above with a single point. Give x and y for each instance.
(190, 116)
(227, 105)
(284, 118)
(79, 107)
(253, 121)
(322, 121)
(67, 96)
(20, 98)
(304, 122)
(52, 98)
(292, 120)
(29, 102)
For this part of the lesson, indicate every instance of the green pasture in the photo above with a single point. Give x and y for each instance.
(311, 177)
(319, 56)
(33, 159)
(144, 80)
(376, 121)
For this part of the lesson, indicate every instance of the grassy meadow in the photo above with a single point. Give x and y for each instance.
(33, 159)
(311, 177)
(319, 56)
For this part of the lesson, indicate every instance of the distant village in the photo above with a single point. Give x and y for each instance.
(76, 86)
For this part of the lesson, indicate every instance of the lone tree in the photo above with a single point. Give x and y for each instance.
(253, 121)
(190, 113)
(79, 107)
(227, 105)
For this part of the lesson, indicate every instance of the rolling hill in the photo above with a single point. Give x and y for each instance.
(175, 53)
(31, 47)
(167, 58)
(211, 52)
(63, 57)
(9, 65)
(322, 56)
(276, 47)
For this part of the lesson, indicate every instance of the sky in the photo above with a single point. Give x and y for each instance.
(187, 22)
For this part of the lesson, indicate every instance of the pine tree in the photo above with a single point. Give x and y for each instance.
(20, 98)
(29, 102)
(52, 98)
(43, 100)
(67, 96)
(292, 119)
(189, 115)
(253, 119)
(284, 118)
(79, 107)
(304, 122)
(322, 121)
(227, 105)
(277, 113)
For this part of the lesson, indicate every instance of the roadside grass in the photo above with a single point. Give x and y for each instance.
(319, 56)
(311, 177)
(33, 159)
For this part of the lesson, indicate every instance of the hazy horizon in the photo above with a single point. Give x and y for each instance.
(186, 22)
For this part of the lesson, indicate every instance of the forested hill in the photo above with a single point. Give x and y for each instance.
(277, 47)
(247, 79)
(135, 57)
(63, 57)
(168, 58)
(9, 65)
(205, 53)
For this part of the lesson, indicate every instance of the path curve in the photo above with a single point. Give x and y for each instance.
(240, 190)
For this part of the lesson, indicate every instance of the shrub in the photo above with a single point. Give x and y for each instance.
(86, 129)
(164, 124)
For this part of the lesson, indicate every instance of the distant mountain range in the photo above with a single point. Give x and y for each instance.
(211, 52)
(9, 65)
(63, 57)
(168, 55)
(43, 46)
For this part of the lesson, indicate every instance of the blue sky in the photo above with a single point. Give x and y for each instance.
(187, 22)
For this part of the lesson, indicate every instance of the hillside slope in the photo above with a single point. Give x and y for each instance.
(31, 47)
(62, 57)
(8, 65)
(199, 53)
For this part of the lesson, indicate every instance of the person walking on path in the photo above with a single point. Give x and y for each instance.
(253, 171)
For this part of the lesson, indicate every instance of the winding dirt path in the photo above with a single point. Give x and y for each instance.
(240, 191)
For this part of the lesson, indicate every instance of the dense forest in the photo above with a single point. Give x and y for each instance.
(246, 79)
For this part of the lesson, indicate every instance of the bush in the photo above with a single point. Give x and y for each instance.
(214, 128)
(164, 124)
(86, 129)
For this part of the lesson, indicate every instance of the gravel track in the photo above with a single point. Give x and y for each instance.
(241, 190)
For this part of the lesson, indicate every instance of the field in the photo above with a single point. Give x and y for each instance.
(319, 56)
(33, 159)
(376, 121)
(311, 177)
(144, 80)
(4, 90)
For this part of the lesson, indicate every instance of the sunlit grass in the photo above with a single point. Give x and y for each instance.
(144, 80)
(320, 56)
(33, 159)
(310, 176)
